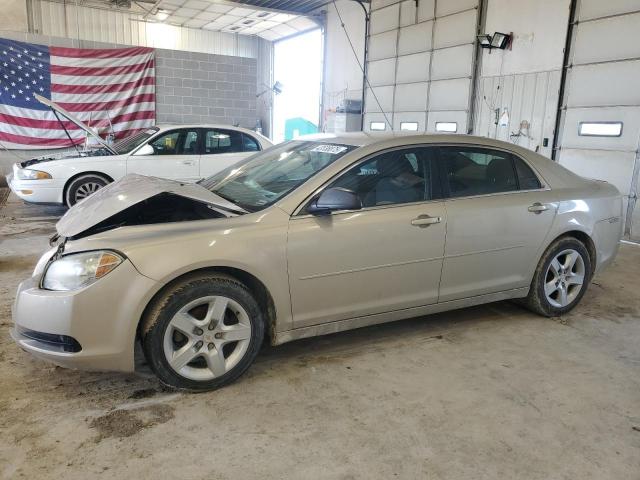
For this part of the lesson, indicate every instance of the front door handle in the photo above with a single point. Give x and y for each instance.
(538, 208)
(187, 162)
(424, 221)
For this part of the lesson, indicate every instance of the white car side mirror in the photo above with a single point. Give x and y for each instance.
(145, 150)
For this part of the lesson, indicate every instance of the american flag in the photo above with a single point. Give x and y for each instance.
(111, 90)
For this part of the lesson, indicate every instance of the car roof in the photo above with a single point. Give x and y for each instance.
(361, 139)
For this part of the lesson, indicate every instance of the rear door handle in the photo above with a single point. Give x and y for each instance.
(423, 221)
(538, 208)
(187, 162)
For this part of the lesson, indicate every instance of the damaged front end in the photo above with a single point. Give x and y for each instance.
(140, 200)
(164, 207)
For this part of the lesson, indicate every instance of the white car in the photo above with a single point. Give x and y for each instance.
(185, 153)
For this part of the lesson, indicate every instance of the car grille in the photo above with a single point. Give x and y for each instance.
(50, 341)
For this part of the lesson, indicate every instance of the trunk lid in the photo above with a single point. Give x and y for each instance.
(129, 191)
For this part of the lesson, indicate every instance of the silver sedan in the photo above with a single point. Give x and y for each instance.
(310, 237)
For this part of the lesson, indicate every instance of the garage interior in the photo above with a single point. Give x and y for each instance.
(485, 392)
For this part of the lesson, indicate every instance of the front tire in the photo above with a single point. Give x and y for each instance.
(202, 333)
(561, 278)
(82, 187)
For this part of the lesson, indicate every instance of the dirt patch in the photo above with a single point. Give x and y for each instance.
(126, 423)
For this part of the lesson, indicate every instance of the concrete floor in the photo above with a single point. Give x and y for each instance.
(493, 392)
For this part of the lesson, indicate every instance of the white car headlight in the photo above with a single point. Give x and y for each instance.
(79, 270)
(28, 174)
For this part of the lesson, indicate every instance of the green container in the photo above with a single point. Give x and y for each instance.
(295, 127)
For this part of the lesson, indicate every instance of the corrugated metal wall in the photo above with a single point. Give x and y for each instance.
(530, 101)
(109, 26)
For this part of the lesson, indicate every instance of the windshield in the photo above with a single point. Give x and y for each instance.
(266, 177)
(127, 144)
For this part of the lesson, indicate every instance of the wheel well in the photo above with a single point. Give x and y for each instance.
(586, 240)
(255, 286)
(71, 179)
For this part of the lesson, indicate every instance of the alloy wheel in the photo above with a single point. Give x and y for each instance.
(207, 337)
(85, 190)
(564, 278)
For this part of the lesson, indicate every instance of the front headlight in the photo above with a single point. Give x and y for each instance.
(79, 270)
(27, 174)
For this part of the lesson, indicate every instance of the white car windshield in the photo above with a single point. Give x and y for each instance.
(268, 176)
(126, 144)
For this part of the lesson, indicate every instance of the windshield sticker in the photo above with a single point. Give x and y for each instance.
(332, 149)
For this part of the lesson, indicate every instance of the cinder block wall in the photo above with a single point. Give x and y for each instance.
(204, 88)
(190, 88)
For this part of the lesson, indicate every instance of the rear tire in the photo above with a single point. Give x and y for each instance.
(561, 278)
(82, 187)
(202, 333)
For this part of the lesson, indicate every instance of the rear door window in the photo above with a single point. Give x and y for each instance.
(249, 143)
(474, 171)
(222, 141)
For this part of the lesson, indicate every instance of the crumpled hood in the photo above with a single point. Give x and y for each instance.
(131, 190)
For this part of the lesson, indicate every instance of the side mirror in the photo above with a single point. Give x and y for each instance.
(335, 199)
(146, 149)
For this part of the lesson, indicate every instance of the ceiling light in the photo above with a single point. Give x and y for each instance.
(162, 15)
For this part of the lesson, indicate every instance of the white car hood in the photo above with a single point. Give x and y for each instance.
(129, 191)
(72, 118)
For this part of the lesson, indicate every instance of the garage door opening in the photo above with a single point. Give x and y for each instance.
(298, 67)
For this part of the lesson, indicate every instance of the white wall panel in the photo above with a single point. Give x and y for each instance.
(449, 94)
(415, 38)
(448, 7)
(408, 13)
(628, 141)
(385, 19)
(599, 8)
(613, 167)
(604, 84)
(383, 45)
(458, 117)
(455, 29)
(604, 92)
(452, 62)
(384, 98)
(617, 38)
(426, 10)
(419, 117)
(382, 72)
(426, 46)
(378, 4)
(411, 97)
(376, 117)
(413, 68)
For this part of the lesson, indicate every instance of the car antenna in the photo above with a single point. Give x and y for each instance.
(66, 131)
